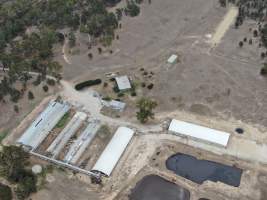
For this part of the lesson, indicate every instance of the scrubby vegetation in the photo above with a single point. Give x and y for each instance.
(13, 167)
(145, 107)
(255, 10)
(5, 192)
(30, 28)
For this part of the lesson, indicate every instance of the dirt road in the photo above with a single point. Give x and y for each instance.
(224, 26)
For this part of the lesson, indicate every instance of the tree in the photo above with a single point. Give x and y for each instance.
(16, 108)
(132, 9)
(72, 39)
(240, 44)
(12, 160)
(5, 192)
(145, 107)
(45, 88)
(27, 185)
(30, 95)
(264, 70)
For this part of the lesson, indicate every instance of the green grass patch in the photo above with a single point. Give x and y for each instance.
(3, 135)
(63, 120)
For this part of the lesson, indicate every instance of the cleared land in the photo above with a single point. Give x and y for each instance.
(222, 81)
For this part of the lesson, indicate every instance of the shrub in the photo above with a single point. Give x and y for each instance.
(133, 94)
(143, 84)
(150, 86)
(88, 83)
(45, 88)
(15, 95)
(5, 192)
(116, 89)
(132, 9)
(107, 98)
(264, 70)
(240, 44)
(16, 108)
(121, 94)
(30, 95)
(37, 80)
(51, 82)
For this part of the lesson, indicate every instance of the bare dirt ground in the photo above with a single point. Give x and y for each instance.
(213, 83)
(155, 152)
(9, 119)
(63, 186)
(222, 81)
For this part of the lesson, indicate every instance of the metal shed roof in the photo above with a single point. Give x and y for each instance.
(199, 132)
(44, 123)
(123, 83)
(172, 59)
(70, 129)
(113, 151)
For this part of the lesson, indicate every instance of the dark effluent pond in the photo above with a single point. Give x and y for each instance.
(199, 171)
(153, 187)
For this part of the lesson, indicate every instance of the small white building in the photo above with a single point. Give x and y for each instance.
(123, 83)
(113, 151)
(185, 129)
(173, 59)
(117, 105)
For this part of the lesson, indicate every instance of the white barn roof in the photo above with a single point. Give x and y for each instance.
(199, 132)
(113, 151)
(43, 124)
(123, 83)
(172, 59)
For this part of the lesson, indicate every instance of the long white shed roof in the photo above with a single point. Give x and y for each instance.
(113, 151)
(199, 132)
(43, 124)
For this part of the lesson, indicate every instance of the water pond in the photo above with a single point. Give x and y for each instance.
(199, 171)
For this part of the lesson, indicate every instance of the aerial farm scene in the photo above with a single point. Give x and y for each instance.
(133, 99)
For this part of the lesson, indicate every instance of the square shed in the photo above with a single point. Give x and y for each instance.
(123, 83)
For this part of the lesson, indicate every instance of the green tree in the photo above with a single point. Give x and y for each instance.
(264, 70)
(145, 106)
(5, 192)
(12, 160)
(26, 185)
(30, 95)
(72, 39)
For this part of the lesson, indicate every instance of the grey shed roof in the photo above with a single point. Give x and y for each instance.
(123, 83)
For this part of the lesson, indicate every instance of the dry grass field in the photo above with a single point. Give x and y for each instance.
(221, 80)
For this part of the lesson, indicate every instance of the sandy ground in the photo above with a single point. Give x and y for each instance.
(225, 24)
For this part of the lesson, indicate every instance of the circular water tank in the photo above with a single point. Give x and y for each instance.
(37, 169)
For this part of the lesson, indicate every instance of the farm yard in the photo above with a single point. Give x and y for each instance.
(188, 58)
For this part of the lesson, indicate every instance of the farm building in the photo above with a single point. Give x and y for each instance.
(83, 141)
(70, 129)
(117, 105)
(43, 124)
(205, 134)
(173, 59)
(113, 151)
(123, 83)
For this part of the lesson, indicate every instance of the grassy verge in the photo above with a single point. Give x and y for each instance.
(63, 120)
(3, 135)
